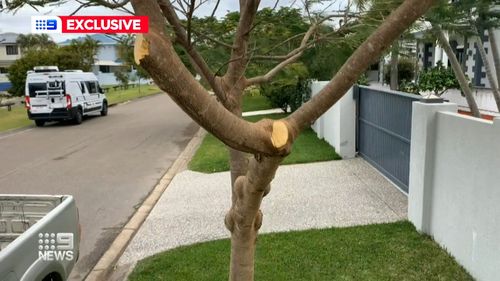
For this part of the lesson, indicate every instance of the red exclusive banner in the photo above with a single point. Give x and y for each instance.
(104, 24)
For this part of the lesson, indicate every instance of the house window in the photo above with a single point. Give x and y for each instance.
(11, 50)
(104, 68)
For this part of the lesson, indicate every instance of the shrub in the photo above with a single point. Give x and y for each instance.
(409, 87)
(290, 89)
(406, 71)
(363, 80)
(122, 77)
(438, 79)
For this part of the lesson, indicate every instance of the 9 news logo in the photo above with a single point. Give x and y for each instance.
(56, 246)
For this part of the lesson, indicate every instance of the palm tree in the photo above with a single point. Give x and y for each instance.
(29, 42)
(488, 69)
(457, 69)
(485, 18)
(451, 17)
(494, 51)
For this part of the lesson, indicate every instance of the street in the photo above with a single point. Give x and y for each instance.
(109, 164)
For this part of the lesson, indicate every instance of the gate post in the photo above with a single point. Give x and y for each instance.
(423, 132)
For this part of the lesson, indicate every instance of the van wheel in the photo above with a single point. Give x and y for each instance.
(104, 110)
(78, 119)
(39, 123)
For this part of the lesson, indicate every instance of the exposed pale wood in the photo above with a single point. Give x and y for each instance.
(279, 136)
(141, 48)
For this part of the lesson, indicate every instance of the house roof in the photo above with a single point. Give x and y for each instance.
(101, 38)
(8, 38)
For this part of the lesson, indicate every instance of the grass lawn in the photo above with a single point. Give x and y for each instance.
(131, 93)
(212, 155)
(18, 118)
(392, 251)
(254, 101)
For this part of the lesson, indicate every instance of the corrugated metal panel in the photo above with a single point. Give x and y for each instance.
(384, 132)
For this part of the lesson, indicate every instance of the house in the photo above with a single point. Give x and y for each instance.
(466, 51)
(107, 60)
(9, 52)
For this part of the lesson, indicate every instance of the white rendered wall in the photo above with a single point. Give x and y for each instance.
(455, 185)
(338, 125)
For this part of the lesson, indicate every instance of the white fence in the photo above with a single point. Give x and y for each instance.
(455, 185)
(338, 125)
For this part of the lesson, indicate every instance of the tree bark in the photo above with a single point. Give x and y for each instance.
(245, 218)
(394, 66)
(487, 67)
(495, 52)
(457, 69)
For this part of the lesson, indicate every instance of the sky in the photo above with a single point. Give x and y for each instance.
(20, 21)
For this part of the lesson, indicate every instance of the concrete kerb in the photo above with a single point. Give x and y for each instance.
(106, 263)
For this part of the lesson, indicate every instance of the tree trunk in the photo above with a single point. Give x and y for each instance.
(488, 70)
(381, 71)
(494, 51)
(394, 66)
(245, 218)
(457, 69)
(464, 61)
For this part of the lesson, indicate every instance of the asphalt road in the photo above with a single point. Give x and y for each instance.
(109, 164)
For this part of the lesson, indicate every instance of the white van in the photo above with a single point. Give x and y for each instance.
(54, 95)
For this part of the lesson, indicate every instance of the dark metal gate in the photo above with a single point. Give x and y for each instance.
(384, 131)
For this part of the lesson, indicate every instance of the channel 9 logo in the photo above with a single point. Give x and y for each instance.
(89, 24)
(45, 24)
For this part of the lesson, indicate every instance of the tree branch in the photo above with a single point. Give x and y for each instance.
(155, 53)
(205, 71)
(290, 58)
(215, 9)
(189, 17)
(237, 67)
(294, 51)
(372, 48)
(202, 35)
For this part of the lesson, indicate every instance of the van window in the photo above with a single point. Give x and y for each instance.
(34, 87)
(40, 88)
(91, 86)
(82, 87)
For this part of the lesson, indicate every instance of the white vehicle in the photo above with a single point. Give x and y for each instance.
(39, 237)
(55, 95)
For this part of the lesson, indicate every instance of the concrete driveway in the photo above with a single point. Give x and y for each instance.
(109, 164)
(304, 196)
